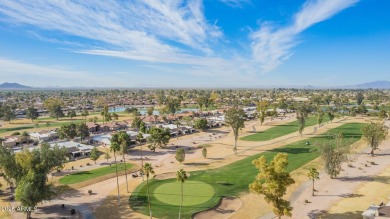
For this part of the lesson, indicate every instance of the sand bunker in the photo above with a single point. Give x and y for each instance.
(226, 208)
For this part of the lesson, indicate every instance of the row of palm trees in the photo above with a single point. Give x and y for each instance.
(119, 143)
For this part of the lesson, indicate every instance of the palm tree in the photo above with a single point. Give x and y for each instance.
(139, 138)
(181, 176)
(147, 169)
(124, 140)
(313, 174)
(116, 147)
(177, 123)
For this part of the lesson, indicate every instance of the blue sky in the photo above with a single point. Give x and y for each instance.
(194, 43)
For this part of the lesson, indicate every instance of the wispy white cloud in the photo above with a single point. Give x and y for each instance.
(236, 3)
(161, 32)
(42, 75)
(149, 26)
(272, 45)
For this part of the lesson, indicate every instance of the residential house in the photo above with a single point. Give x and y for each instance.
(44, 136)
(93, 127)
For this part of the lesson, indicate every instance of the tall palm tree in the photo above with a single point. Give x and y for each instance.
(139, 138)
(177, 123)
(124, 140)
(181, 176)
(147, 169)
(115, 146)
(313, 174)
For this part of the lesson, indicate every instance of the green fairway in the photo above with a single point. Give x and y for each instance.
(86, 175)
(170, 193)
(280, 130)
(2, 130)
(233, 179)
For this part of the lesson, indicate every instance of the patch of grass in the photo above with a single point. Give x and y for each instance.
(3, 130)
(233, 179)
(87, 175)
(280, 130)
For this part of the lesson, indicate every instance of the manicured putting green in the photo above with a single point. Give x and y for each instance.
(170, 193)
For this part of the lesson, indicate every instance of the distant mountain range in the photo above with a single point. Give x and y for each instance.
(369, 85)
(373, 85)
(7, 85)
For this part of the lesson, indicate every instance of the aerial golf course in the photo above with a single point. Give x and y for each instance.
(203, 189)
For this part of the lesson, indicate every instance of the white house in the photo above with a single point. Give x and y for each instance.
(75, 149)
(44, 135)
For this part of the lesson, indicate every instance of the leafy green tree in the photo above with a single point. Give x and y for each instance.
(95, 154)
(272, 182)
(334, 153)
(320, 117)
(262, 116)
(32, 113)
(142, 127)
(115, 116)
(33, 189)
(8, 113)
(105, 114)
(150, 111)
(200, 124)
(330, 115)
(158, 138)
(85, 114)
(72, 114)
(82, 131)
(107, 156)
(180, 155)
(302, 114)
(362, 109)
(313, 174)
(136, 124)
(374, 134)
(68, 131)
(29, 170)
(235, 118)
(262, 107)
(147, 170)
(181, 176)
(54, 106)
(204, 152)
(359, 98)
(382, 114)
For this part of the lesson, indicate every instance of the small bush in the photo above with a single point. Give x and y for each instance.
(372, 163)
